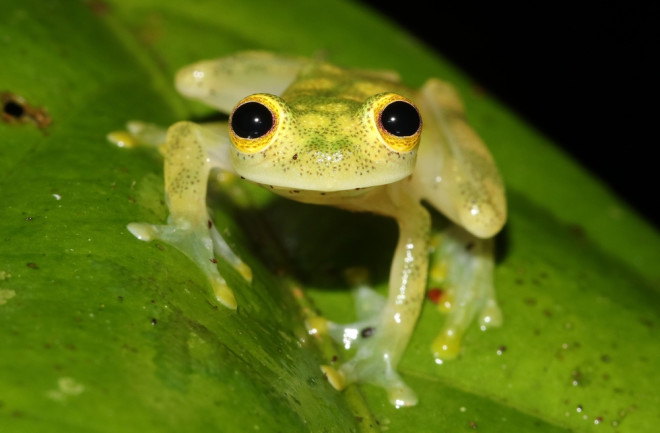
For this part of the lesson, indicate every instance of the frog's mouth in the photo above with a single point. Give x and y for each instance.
(322, 173)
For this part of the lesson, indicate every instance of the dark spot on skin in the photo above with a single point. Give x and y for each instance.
(214, 260)
(367, 332)
(32, 265)
(16, 110)
(154, 322)
(434, 295)
(294, 157)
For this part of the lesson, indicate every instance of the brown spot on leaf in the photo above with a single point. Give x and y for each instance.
(16, 109)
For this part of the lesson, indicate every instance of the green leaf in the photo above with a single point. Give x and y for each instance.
(100, 332)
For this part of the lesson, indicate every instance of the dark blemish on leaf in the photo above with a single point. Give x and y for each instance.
(120, 298)
(359, 419)
(209, 223)
(153, 301)
(501, 349)
(368, 332)
(13, 109)
(154, 322)
(214, 260)
(160, 247)
(469, 246)
(16, 110)
(334, 359)
(647, 322)
(98, 7)
(32, 265)
(530, 301)
(605, 358)
(576, 378)
(472, 425)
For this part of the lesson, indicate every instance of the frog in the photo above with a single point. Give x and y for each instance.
(360, 140)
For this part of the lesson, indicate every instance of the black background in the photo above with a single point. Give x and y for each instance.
(580, 73)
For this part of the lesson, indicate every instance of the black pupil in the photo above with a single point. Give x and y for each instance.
(400, 119)
(251, 120)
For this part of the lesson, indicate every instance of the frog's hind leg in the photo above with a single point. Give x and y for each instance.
(368, 306)
(463, 265)
(191, 151)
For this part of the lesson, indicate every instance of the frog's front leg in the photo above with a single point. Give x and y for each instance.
(191, 151)
(379, 352)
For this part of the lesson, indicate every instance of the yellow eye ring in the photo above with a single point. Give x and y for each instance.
(398, 121)
(253, 122)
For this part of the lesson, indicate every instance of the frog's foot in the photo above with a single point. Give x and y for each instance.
(463, 265)
(373, 362)
(139, 133)
(199, 244)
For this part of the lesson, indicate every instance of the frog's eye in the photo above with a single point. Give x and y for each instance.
(401, 119)
(253, 122)
(398, 122)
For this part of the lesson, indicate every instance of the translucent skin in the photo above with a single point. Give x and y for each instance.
(328, 146)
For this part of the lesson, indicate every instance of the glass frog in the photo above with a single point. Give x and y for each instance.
(313, 132)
